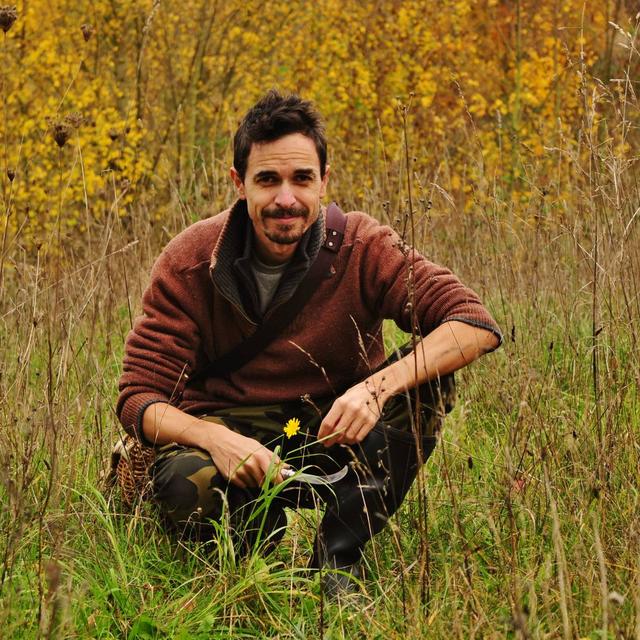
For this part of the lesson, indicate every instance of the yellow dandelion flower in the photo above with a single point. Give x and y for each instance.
(292, 427)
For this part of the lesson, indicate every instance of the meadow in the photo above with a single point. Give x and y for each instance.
(525, 521)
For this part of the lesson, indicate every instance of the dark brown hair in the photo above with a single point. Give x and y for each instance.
(274, 116)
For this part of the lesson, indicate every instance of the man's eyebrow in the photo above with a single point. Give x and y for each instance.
(304, 172)
(265, 173)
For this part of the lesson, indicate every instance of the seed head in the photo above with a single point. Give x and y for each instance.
(11, 174)
(8, 15)
(74, 119)
(61, 130)
(87, 31)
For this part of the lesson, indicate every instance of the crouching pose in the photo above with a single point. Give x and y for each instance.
(270, 314)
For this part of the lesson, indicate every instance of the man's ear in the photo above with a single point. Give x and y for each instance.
(239, 184)
(325, 180)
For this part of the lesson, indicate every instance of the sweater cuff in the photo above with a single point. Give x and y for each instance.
(133, 410)
(493, 328)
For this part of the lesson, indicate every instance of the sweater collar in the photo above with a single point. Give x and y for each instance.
(230, 266)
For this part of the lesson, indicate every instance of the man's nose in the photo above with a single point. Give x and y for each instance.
(285, 197)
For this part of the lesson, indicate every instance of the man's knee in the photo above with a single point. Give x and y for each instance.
(422, 412)
(188, 486)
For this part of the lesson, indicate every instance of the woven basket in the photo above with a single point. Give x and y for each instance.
(130, 462)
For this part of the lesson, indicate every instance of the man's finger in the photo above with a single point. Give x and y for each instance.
(329, 437)
(335, 438)
(245, 471)
(237, 480)
(353, 430)
(338, 432)
(265, 462)
(279, 465)
(255, 468)
(326, 426)
(360, 433)
(363, 432)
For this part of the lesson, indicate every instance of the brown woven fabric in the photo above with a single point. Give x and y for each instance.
(130, 463)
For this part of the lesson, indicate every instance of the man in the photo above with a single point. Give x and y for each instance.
(212, 287)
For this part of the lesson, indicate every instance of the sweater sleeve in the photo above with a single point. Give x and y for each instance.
(399, 277)
(161, 348)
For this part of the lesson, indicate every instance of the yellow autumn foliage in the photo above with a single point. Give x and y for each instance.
(491, 88)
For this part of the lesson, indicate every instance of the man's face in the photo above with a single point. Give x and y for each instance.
(282, 187)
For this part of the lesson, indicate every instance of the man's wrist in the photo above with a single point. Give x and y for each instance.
(382, 385)
(207, 434)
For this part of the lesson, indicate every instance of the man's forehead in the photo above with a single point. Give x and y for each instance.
(293, 152)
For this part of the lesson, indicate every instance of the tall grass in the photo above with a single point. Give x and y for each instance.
(530, 516)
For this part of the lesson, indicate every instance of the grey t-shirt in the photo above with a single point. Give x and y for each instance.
(267, 279)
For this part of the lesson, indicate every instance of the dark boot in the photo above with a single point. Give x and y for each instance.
(383, 468)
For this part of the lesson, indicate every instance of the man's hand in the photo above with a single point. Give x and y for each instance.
(447, 348)
(352, 415)
(243, 461)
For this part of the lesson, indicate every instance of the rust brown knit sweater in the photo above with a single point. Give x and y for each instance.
(193, 312)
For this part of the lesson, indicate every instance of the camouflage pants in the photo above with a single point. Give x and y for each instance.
(196, 499)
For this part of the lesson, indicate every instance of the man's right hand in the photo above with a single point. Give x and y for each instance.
(243, 461)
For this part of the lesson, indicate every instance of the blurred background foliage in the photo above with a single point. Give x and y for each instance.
(145, 95)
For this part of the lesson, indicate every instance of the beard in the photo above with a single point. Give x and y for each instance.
(286, 232)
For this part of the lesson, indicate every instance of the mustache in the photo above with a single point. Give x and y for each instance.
(286, 212)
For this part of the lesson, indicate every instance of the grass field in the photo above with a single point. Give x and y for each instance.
(531, 526)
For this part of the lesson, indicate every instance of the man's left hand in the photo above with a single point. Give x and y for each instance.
(351, 416)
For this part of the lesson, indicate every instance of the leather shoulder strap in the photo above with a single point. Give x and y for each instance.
(273, 325)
